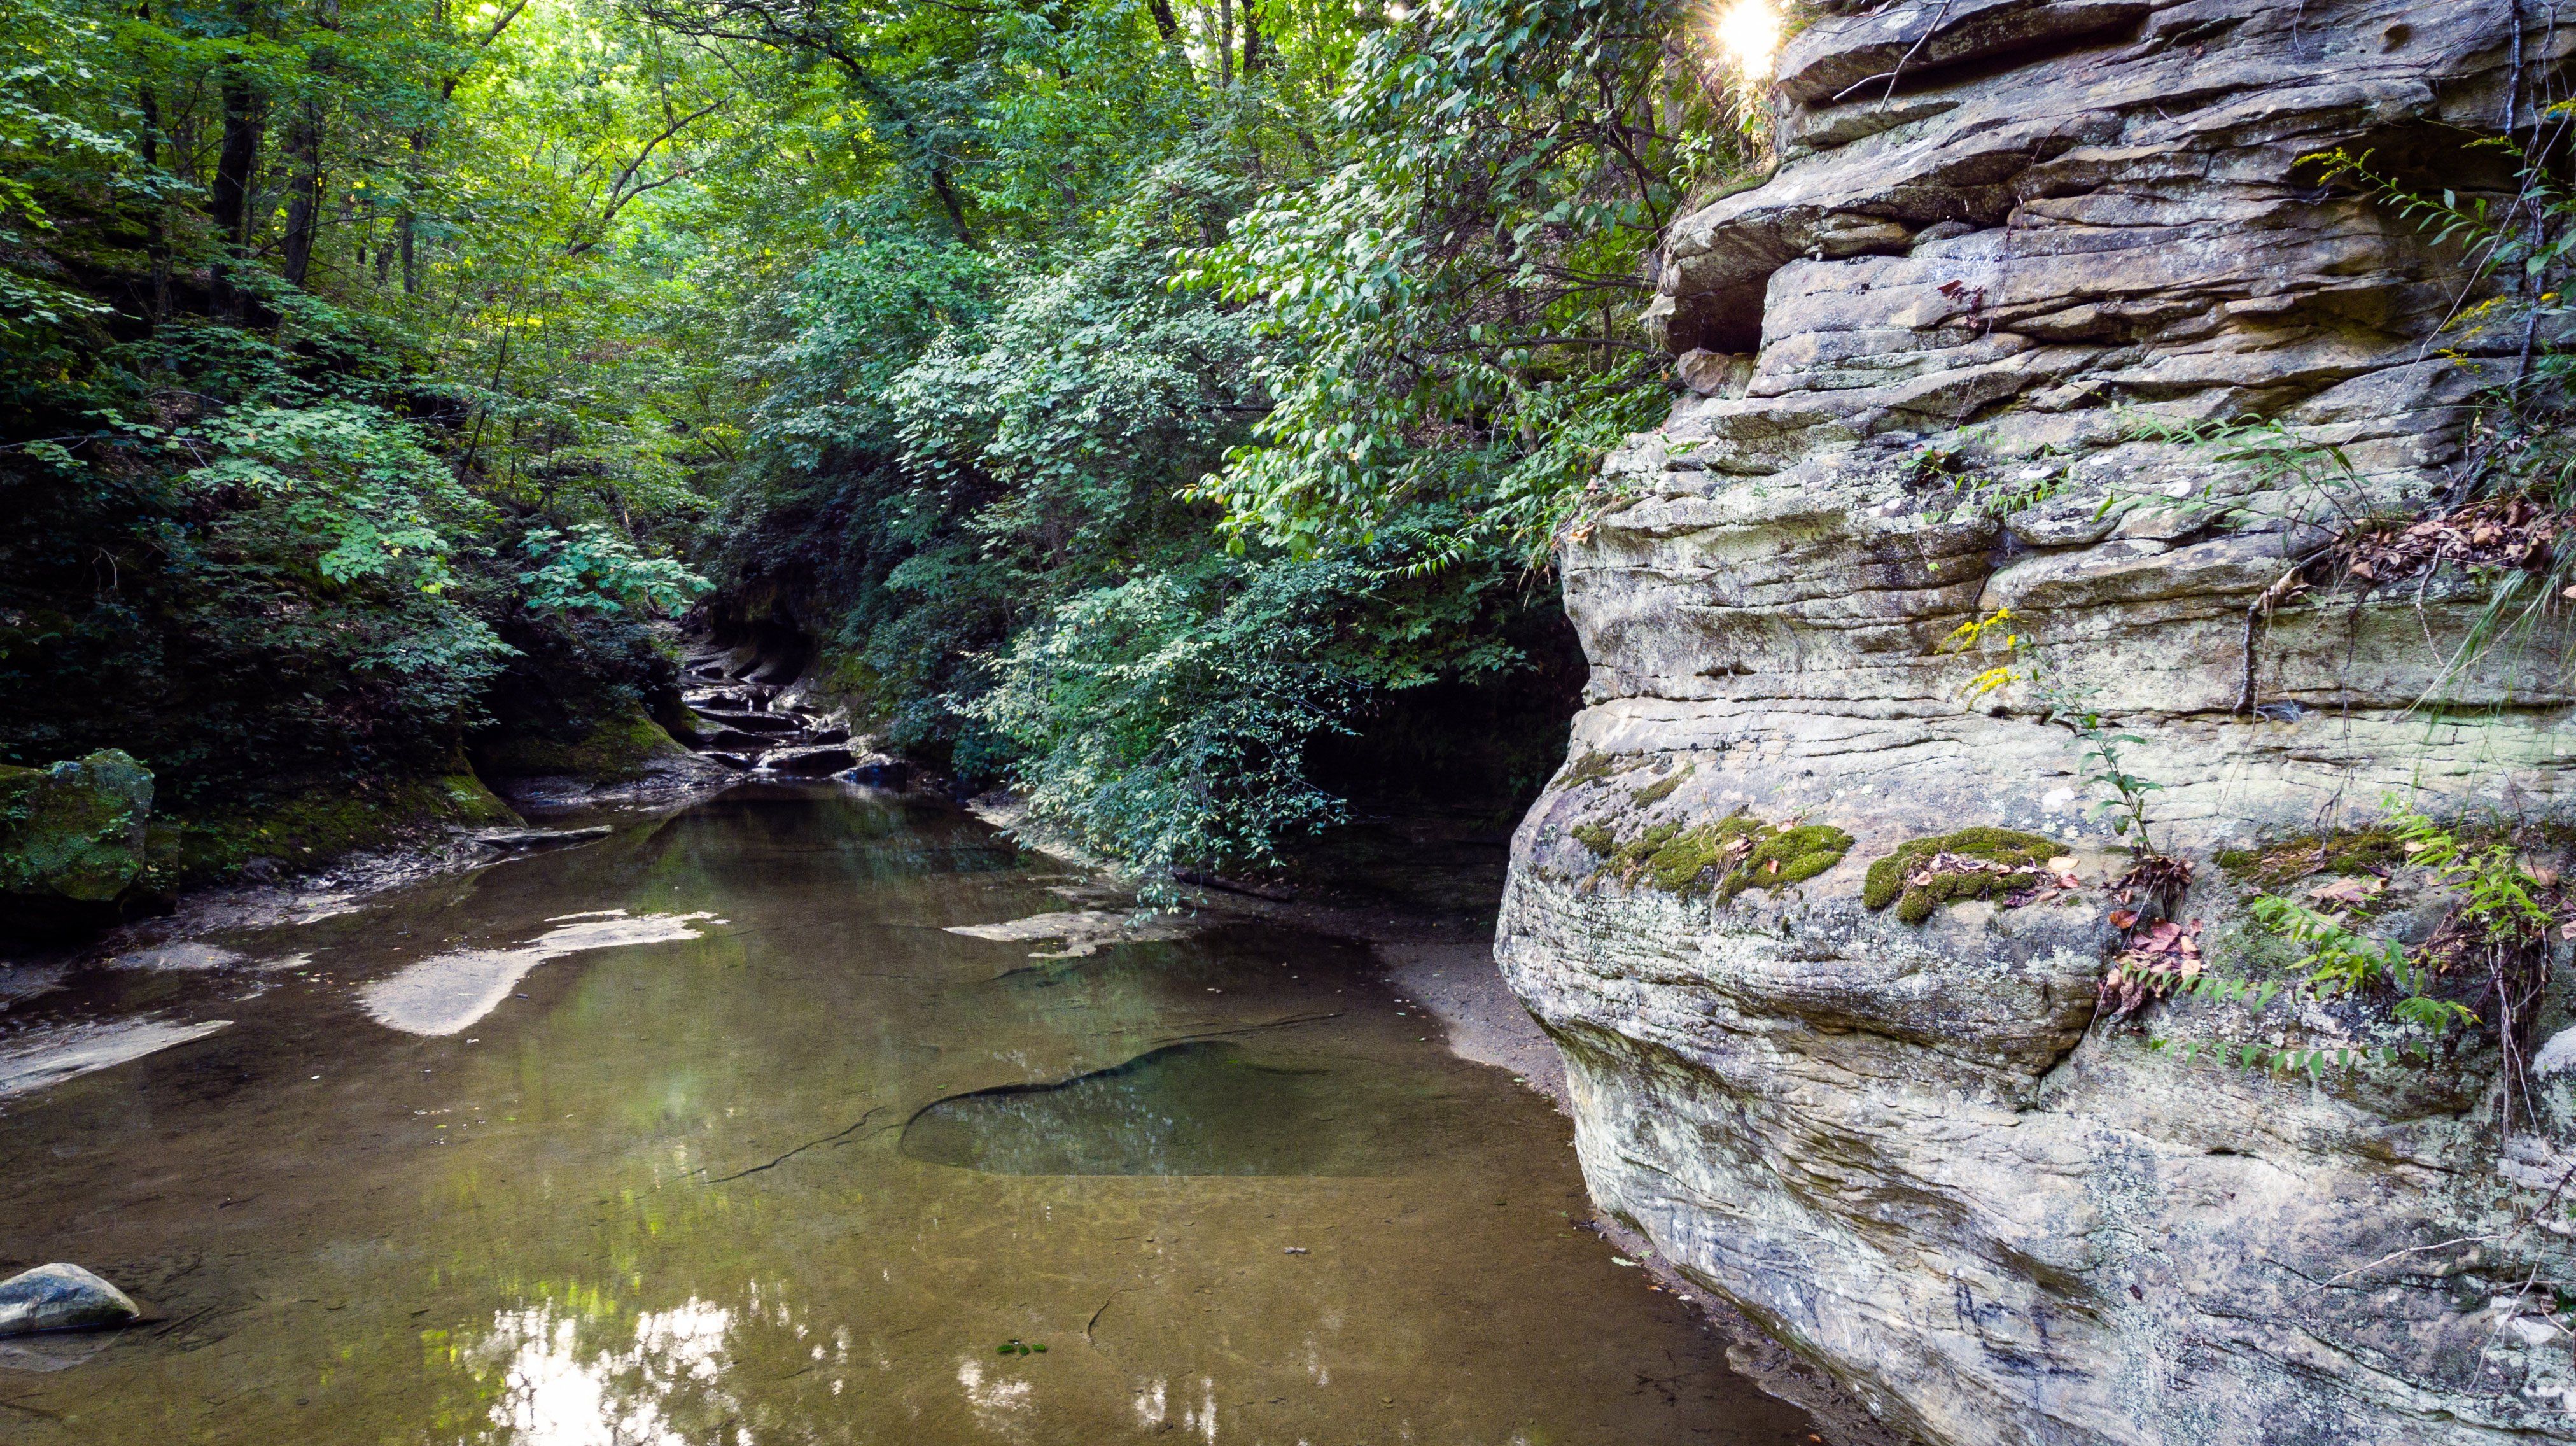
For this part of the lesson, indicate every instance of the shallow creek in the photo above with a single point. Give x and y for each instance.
(708, 1132)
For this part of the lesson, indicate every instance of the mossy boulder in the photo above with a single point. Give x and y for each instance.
(313, 825)
(1892, 879)
(622, 748)
(74, 836)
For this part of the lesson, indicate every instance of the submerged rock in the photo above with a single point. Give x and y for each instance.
(61, 1297)
(1911, 1150)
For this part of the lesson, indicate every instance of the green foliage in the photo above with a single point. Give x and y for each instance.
(2340, 961)
(2499, 901)
(589, 566)
(2099, 766)
(1166, 723)
(1913, 879)
(1450, 305)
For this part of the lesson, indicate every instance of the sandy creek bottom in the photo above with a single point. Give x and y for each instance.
(794, 1169)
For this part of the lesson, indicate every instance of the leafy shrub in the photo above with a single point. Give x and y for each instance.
(1165, 720)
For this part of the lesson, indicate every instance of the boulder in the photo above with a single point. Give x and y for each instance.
(626, 752)
(61, 1298)
(74, 837)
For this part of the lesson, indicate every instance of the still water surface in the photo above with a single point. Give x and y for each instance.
(707, 1133)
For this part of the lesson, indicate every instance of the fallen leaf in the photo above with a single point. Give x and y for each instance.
(2123, 918)
(2062, 864)
(2357, 889)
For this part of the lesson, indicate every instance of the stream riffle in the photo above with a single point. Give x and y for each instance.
(709, 1132)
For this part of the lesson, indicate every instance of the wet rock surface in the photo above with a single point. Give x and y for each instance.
(61, 1297)
(2002, 235)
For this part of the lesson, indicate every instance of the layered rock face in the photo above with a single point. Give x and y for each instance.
(2011, 248)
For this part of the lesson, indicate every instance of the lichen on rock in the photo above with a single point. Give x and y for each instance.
(1913, 879)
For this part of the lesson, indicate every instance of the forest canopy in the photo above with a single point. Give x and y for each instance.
(1129, 398)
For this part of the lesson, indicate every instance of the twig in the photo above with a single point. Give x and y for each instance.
(2400, 1255)
(2263, 603)
(1891, 76)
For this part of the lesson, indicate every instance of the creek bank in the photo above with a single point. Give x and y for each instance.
(83, 851)
(1947, 351)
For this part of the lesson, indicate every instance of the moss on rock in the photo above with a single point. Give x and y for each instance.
(75, 830)
(309, 828)
(619, 749)
(2276, 865)
(1727, 857)
(1788, 856)
(1889, 880)
(1592, 768)
(1658, 792)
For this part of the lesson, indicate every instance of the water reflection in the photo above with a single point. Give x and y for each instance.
(1206, 1108)
(663, 1387)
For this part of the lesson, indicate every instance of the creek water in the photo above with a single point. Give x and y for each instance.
(708, 1132)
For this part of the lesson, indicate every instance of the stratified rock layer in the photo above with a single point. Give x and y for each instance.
(2009, 242)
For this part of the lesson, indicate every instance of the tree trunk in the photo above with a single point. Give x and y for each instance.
(1255, 59)
(156, 242)
(304, 204)
(229, 199)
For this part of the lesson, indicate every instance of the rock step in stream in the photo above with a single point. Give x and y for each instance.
(756, 727)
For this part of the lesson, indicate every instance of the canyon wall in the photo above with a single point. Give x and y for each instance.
(1944, 357)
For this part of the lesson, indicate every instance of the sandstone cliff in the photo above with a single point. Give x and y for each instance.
(2007, 242)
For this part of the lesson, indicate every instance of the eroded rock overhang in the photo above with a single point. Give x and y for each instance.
(2007, 245)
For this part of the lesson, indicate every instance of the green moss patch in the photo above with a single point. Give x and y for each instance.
(1596, 838)
(1658, 792)
(1727, 857)
(76, 829)
(614, 751)
(2277, 865)
(1593, 767)
(307, 829)
(1910, 878)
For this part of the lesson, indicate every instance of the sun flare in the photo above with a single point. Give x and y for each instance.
(1749, 32)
